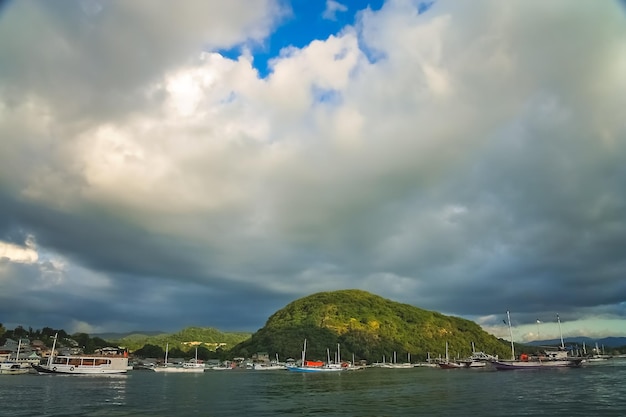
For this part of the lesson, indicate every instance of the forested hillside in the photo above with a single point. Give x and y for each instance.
(367, 326)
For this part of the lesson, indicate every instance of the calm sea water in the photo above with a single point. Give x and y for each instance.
(594, 390)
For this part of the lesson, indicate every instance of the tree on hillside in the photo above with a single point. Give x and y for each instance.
(149, 351)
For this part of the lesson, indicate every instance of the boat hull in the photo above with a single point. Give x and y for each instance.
(84, 365)
(178, 370)
(305, 369)
(451, 365)
(553, 364)
(13, 369)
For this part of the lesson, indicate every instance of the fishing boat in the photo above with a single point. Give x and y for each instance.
(83, 365)
(319, 366)
(192, 366)
(549, 359)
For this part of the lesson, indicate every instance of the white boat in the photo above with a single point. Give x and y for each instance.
(83, 365)
(269, 367)
(14, 367)
(272, 366)
(598, 356)
(396, 365)
(319, 366)
(221, 368)
(192, 366)
(549, 359)
(477, 360)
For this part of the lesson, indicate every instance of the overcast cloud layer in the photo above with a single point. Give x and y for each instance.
(470, 159)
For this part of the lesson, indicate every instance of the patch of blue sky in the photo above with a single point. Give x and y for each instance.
(326, 95)
(310, 20)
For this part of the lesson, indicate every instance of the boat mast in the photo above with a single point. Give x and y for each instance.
(54, 344)
(560, 332)
(304, 353)
(17, 356)
(508, 316)
(167, 348)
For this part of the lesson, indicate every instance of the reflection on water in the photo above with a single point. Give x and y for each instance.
(593, 390)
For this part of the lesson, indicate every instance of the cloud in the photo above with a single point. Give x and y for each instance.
(474, 167)
(17, 253)
(332, 7)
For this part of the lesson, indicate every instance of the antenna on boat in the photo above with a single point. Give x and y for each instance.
(508, 316)
(560, 332)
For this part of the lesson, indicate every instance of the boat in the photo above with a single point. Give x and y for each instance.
(272, 366)
(548, 359)
(269, 367)
(477, 359)
(319, 366)
(448, 364)
(396, 365)
(191, 366)
(83, 364)
(14, 367)
(598, 356)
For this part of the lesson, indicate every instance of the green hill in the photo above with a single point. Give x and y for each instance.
(186, 339)
(367, 326)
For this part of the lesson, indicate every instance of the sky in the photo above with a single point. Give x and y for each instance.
(205, 163)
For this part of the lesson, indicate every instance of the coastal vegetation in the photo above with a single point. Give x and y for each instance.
(365, 325)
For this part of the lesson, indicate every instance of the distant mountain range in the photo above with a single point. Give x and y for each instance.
(607, 342)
